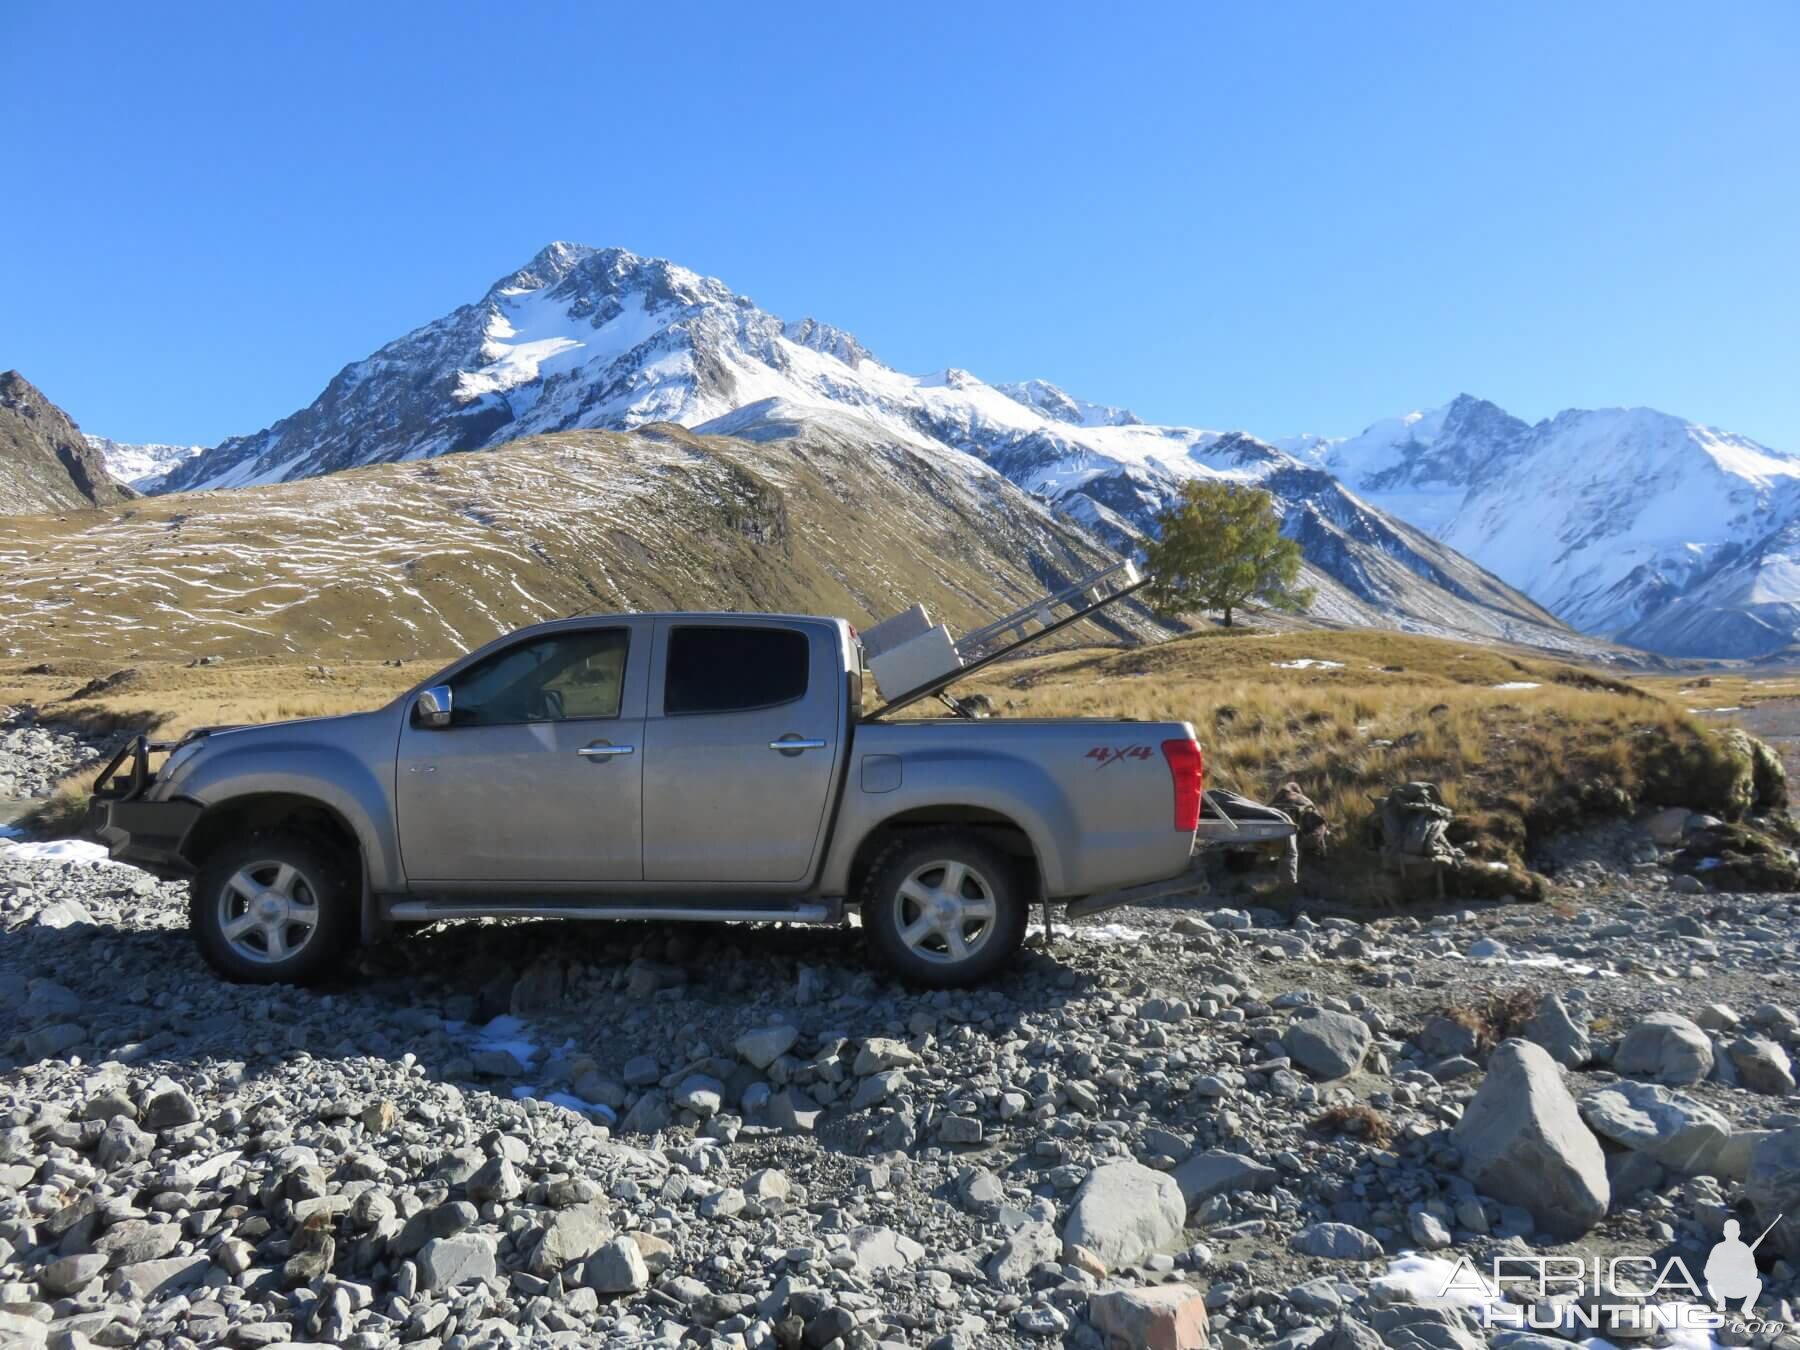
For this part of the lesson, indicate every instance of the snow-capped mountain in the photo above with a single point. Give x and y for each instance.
(1624, 522)
(602, 338)
(142, 466)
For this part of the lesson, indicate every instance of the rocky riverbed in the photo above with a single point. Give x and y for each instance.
(1173, 1128)
(34, 757)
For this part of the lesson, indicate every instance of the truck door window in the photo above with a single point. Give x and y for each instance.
(566, 677)
(730, 669)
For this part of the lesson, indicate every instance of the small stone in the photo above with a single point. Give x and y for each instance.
(617, 1268)
(1667, 1047)
(1217, 1172)
(701, 1095)
(447, 1262)
(1337, 1242)
(1762, 1065)
(763, 1047)
(1163, 1317)
(877, 1249)
(497, 1181)
(1328, 1045)
(1429, 1231)
(960, 1130)
(879, 1052)
(1556, 1029)
(72, 1274)
(569, 1235)
(1026, 1247)
(170, 1108)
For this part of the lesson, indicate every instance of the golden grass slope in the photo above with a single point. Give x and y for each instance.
(426, 559)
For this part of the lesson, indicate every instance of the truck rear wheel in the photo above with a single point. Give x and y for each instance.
(944, 909)
(274, 908)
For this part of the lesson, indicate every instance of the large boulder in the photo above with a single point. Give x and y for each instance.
(1328, 1044)
(1523, 1142)
(1124, 1212)
(1679, 1132)
(1667, 1047)
(1773, 1188)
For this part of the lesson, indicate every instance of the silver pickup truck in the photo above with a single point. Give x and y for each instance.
(711, 767)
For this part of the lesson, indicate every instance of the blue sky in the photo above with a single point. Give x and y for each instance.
(1293, 217)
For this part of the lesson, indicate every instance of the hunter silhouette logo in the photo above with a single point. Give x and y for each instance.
(1731, 1268)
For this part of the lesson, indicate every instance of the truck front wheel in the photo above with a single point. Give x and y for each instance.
(273, 908)
(942, 908)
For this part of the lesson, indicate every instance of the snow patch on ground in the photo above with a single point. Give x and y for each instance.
(515, 1036)
(1308, 663)
(60, 850)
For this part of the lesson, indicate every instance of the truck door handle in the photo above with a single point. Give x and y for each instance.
(604, 751)
(789, 745)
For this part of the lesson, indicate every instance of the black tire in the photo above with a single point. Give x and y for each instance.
(319, 884)
(892, 918)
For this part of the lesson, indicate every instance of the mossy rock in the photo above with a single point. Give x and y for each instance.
(1740, 858)
(1768, 775)
(1726, 773)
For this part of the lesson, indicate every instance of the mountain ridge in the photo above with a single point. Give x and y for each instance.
(603, 338)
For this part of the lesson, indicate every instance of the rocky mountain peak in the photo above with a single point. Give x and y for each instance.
(1056, 403)
(46, 463)
(822, 337)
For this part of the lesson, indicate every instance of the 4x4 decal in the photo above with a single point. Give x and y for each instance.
(1111, 754)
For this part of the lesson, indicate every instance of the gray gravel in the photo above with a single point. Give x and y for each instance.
(540, 1134)
(35, 756)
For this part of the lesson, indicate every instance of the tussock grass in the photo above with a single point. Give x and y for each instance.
(1495, 1018)
(1360, 1121)
(61, 815)
(1392, 708)
(170, 698)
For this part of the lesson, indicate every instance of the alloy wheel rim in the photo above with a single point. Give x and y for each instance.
(268, 911)
(946, 911)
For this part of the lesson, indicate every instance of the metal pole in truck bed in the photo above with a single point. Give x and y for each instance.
(944, 681)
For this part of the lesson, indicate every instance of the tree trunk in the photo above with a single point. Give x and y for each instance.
(1228, 616)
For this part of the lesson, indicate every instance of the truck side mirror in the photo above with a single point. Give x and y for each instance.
(431, 709)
